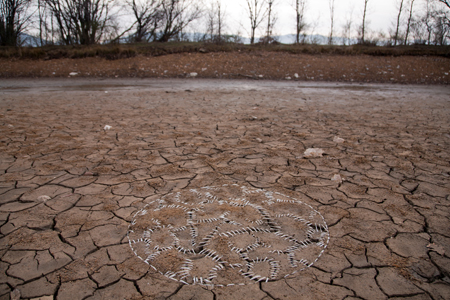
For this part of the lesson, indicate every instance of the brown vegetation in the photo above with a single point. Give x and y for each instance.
(118, 51)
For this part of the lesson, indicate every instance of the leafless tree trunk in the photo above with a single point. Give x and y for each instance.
(271, 19)
(330, 38)
(300, 9)
(408, 24)
(427, 20)
(220, 21)
(177, 14)
(347, 28)
(14, 18)
(211, 21)
(216, 22)
(400, 10)
(256, 13)
(41, 11)
(46, 24)
(363, 25)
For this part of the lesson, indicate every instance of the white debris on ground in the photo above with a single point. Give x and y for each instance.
(338, 140)
(337, 178)
(436, 248)
(259, 140)
(288, 78)
(296, 75)
(193, 74)
(44, 198)
(15, 295)
(313, 152)
(73, 74)
(107, 127)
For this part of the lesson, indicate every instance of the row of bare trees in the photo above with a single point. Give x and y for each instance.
(422, 22)
(94, 21)
(89, 22)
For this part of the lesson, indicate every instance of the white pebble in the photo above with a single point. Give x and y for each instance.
(337, 139)
(107, 127)
(337, 177)
(44, 198)
(313, 152)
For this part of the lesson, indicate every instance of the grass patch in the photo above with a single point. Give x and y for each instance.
(118, 51)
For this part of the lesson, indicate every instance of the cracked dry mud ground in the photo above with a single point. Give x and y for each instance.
(388, 220)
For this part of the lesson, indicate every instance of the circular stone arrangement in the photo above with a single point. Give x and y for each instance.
(228, 235)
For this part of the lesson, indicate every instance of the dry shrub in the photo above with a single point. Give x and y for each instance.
(118, 51)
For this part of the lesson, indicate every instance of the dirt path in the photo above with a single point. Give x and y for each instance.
(70, 186)
(263, 65)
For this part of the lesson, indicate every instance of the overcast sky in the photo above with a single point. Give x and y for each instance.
(381, 14)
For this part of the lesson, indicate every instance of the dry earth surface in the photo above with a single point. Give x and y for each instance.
(69, 187)
(236, 65)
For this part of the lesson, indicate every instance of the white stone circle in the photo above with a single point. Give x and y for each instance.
(228, 235)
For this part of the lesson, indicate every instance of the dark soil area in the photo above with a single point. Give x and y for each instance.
(257, 65)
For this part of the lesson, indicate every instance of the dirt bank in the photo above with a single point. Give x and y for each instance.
(257, 65)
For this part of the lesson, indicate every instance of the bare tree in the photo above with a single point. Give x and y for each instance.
(408, 23)
(256, 13)
(271, 19)
(330, 37)
(400, 10)
(347, 28)
(363, 25)
(81, 21)
(441, 29)
(441, 22)
(432, 26)
(446, 2)
(216, 22)
(44, 32)
(147, 19)
(314, 38)
(427, 20)
(14, 18)
(443, 12)
(220, 21)
(300, 9)
(211, 21)
(177, 15)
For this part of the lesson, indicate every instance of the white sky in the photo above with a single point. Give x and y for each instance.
(381, 14)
